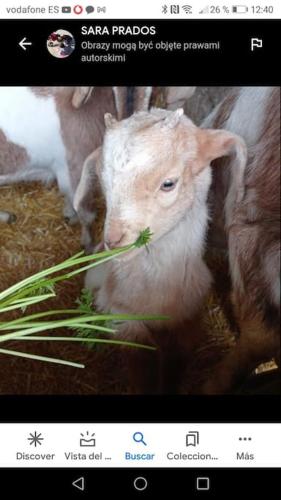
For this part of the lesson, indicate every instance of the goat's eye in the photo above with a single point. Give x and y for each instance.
(168, 185)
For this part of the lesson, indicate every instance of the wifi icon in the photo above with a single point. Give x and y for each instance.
(187, 9)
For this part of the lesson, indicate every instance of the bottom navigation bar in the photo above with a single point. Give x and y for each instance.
(141, 483)
(129, 445)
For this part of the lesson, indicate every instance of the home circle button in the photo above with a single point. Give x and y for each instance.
(140, 483)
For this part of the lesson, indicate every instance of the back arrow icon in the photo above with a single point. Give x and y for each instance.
(23, 43)
(79, 483)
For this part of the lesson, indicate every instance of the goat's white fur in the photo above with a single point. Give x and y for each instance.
(144, 280)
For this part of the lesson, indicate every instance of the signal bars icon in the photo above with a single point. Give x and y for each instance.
(205, 10)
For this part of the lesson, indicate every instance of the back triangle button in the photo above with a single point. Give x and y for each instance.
(79, 483)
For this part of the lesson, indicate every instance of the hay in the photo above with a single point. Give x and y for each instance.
(40, 238)
(40, 235)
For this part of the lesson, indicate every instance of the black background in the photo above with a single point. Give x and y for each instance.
(176, 484)
(152, 408)
(234, 64)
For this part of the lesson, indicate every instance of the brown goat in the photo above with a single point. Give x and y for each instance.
(252, 230)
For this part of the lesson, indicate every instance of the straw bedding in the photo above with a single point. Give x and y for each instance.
(39, 238)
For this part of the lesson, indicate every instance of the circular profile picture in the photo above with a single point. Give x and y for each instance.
(61, 44)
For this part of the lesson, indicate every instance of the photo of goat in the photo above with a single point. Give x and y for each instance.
(92, 167)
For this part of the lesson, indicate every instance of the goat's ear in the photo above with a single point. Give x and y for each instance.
(81, 95)
(214, 144)
(89, 179)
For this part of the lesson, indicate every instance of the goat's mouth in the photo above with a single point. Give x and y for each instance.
(126, 255)
(100, 247)
(120, 247)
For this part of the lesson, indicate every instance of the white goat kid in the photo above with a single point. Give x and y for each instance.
(154, 171)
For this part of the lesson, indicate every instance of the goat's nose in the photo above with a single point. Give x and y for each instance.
(114, 239)
(111, 244)
(114, 233)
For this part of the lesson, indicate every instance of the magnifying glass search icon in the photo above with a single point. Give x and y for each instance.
(138, 438)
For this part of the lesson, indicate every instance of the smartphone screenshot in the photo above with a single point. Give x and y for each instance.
(140, 249)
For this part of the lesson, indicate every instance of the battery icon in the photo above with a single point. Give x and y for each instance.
(239, 9)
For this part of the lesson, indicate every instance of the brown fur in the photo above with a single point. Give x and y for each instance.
(162, 370)
(220, 177)
(81, 133)
(254, 255)
(255, 229)
(42, 91)
(225, 109)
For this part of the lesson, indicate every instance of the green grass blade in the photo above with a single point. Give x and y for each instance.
(30, 317)
(51, 325)
(87, 339)
(36, 278)
(41, 358)
(40, 287)
(28, 301)
(73, 325)
(98, 328)
(77, 259)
